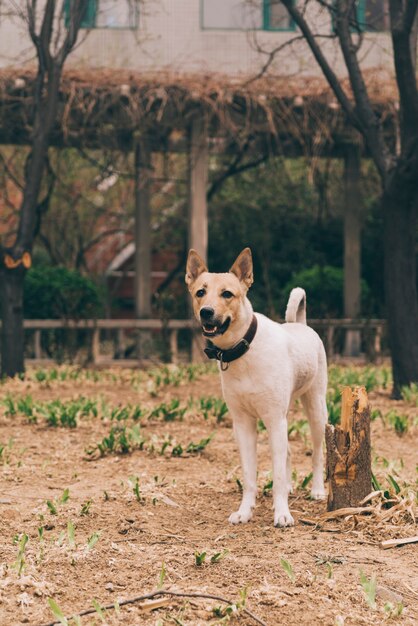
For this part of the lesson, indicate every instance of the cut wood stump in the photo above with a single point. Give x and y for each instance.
(349, 471)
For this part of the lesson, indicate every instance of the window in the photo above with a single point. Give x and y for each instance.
(276, 16)
(373, 15)
(245, 15)
(107, 14)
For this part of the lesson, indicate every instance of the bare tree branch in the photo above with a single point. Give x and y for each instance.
(402, 29)
(328, 72)
(370, 124)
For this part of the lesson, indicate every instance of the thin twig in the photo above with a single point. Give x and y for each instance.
(163, 592)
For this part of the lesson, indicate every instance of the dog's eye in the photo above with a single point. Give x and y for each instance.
(227, 294)
(200, 293)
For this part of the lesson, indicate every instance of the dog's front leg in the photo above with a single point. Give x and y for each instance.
(277, 428)
(245, 429)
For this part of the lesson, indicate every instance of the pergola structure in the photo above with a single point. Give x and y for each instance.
(200, 115)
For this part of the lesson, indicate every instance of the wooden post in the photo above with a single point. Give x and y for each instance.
(378, 340)
(349, 471)
(174, 346)
(352, 245)
(95, 345)
(37, 344)
(330, 341)
(198, 213)
(142, 240)
(120, 343)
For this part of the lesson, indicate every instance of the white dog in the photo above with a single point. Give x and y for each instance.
(264, 366)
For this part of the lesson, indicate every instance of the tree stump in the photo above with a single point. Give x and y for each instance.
(349, 472)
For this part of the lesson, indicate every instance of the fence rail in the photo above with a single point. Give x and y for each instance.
(333, 331)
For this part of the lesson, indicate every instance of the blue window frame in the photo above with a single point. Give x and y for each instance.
(107, 14)
(276, 17)
(268, 15)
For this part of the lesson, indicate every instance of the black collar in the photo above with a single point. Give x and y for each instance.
(240, 348)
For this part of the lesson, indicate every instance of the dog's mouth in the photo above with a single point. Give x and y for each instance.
(213, 330)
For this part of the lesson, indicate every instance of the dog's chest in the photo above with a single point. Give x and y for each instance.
(244, 382)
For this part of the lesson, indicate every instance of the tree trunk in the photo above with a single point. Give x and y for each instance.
(349, 471)
(400, 208)
(12, 336)
(352, 245)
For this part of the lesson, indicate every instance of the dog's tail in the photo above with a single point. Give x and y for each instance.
(296, 306)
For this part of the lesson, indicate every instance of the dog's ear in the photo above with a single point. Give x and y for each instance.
(243, 267)
(194, 267)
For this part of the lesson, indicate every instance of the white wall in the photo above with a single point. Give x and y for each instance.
(170, 37)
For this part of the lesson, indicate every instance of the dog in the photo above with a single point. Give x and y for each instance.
(264, 366)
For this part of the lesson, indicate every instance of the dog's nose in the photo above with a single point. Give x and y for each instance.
(206, 312)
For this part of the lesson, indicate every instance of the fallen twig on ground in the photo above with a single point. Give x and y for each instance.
(393, 543)
(163, 592)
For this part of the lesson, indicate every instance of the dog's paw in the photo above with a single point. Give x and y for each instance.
(318, 493)
(289, 488)
(240, 517)
(282, 519)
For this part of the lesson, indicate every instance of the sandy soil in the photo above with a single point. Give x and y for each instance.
(180, 508)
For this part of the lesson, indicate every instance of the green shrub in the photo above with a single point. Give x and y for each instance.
(60, 293)
(324, 288)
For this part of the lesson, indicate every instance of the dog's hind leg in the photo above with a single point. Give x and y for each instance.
(245, 429)
(316, 409)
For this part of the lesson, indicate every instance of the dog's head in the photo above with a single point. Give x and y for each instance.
(218, 299)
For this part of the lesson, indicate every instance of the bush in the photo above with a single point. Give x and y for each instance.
(324, 288)
(60, 293)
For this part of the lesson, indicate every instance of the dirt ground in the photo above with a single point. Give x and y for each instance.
(149, 515)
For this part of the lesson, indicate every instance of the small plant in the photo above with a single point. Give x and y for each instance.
(163, 574)
(267, 488)
(212, 406)
(199, 558)
(134, 482)
(393, 610)
(299, 428)
(306, 480)
(196, 448)
(85, 508)
(53, 505)
(5, 452)
(99, 610)
(71, 534)
(169, 412)
(231, 610)
(218, 556)
(261, 426)
(92, 540)
(177, 450)
(287, 567)
(192, 448)
(410, 393)
(20, 562)
(398, 421)
(369, 589)
(120, 440)
(57, 612)
(22, 406)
